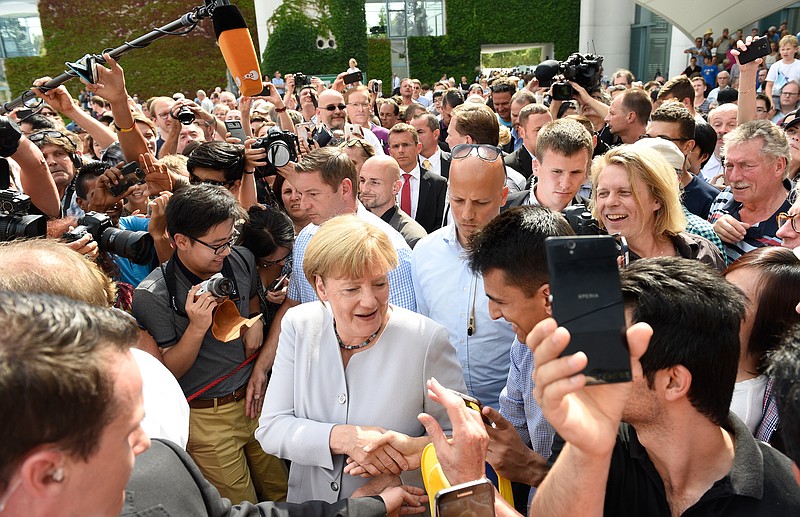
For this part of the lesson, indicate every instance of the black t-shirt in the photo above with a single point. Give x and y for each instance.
(760, 483)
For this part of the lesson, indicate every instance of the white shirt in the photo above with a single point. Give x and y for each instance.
(712, 169)
(166, 412)
(748, 399)
(435, 161)
(414, 179)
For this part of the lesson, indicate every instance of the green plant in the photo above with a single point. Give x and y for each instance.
(380, 62)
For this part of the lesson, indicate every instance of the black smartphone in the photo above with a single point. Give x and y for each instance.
(322, 135)
(85, 68)
(757, 48)
(587, 301)
(355, 77)
(236, 130)
(475, 498)
(265, 92)
(131, 175)
(274, 286)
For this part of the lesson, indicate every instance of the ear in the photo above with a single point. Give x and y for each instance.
(320, 285)
(234, 189)
(82, 203)
(678, 381)
(469, 139)
(43, 473)
(544, 292)
(182, 242)
(688, 147)
(396, 187)
(796, 472)
(419, 148)
(505, 195)
(347, 187)
(535, 165)
(780, 166)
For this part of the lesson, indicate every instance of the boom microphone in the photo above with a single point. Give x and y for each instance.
(237, 49)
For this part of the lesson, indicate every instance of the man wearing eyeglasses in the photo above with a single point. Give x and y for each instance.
(213, 374)
(790, 99)
(673, 122)
(358, 111)
(447, 291)
(332, 109)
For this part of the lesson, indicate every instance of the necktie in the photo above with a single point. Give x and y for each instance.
(427, 164)
(405, 194)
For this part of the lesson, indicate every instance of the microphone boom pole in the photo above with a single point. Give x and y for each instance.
(188, 21)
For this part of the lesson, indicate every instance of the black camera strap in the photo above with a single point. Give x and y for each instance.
(168, 270)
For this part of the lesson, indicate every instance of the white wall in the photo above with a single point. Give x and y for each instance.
(678, 60)
(605, 29)
(264, 9)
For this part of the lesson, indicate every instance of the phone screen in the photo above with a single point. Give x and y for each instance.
(475, 498)
(587, 301)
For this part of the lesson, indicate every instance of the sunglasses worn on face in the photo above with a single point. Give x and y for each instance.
(485, 152)
(332, 107)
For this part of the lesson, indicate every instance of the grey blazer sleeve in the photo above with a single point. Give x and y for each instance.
(166, 482)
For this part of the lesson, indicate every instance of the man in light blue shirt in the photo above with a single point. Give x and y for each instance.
(446, 289)
(509, 253)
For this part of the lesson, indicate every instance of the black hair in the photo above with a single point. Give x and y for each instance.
(38, 122)
(221, 156)
(195, 209)
(695, 315)
(452, 98)
(513, 242)
(266, 230)
(784, 370)
(705, 137)
(90, 170)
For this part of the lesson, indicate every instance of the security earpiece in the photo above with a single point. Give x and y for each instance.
(58, 475)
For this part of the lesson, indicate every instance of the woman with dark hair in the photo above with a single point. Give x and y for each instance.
(269, 234)
(288, 199)
(770, 278)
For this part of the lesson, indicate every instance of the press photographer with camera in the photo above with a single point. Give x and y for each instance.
(184, 113)
(209, 358)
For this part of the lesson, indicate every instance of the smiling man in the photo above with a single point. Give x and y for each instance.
(509, 253)
(744, 215)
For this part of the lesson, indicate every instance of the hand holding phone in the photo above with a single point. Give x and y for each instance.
(355, 77)
(236, 130)
(278, 283)
(757, 48)
(475, 498)
(131, 175)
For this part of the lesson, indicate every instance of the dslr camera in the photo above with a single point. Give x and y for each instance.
(135, 246)
(581, 220)
(218, 286)
(14, 219)
(281, 147)
(184, 115)
(584, 69)
(300, 80)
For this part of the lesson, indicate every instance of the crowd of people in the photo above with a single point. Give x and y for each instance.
(281, 324)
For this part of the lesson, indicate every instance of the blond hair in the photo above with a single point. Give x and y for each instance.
(653, 171)
(347, 247)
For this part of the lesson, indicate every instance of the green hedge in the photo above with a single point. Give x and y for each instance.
(171, 64)
(471, 24)
(380, 62)
(292, 45)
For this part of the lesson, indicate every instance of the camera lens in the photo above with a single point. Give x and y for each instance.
(571, 245)
(185, 116)
(220, 287)
(135, 246)
(15, 226)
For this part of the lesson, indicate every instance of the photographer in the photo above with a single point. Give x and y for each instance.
(183, 114)
(212, 373)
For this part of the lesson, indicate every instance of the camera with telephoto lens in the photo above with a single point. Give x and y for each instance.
(217, 285)
(301, 80)
(281, 147)
(581, 220)
(135, 246)
(15, 221)
(584, 69)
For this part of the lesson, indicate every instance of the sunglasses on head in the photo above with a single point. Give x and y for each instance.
(485, 152)
(41, 135)
(332, 107)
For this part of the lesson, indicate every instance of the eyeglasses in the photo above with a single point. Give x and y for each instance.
(790, 94)
(362, 105)
(41, 135)
(783, 217)
(219, 248)
(332, 107)
(195, 180)
(269, 263)
(664, 137)
(485, 152)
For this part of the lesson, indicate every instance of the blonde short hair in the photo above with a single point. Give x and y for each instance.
(347, 247)
(653, 171)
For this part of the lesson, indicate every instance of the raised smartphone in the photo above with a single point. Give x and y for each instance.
(473, 499)
(131, 175)
(355, 77)
(759, 47)
(587, 301)
(236, 130)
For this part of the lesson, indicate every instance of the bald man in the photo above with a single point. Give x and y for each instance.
(724, 120)
(457, 299)
(331, 109)
(379, 182)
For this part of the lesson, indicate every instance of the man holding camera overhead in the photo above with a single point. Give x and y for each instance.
(206, 349)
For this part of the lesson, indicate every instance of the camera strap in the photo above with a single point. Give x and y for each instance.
(168, 271)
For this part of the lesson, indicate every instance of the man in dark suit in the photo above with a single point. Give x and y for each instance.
(564, 151)
(422, 193)
(531, 120)
(431, 155)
